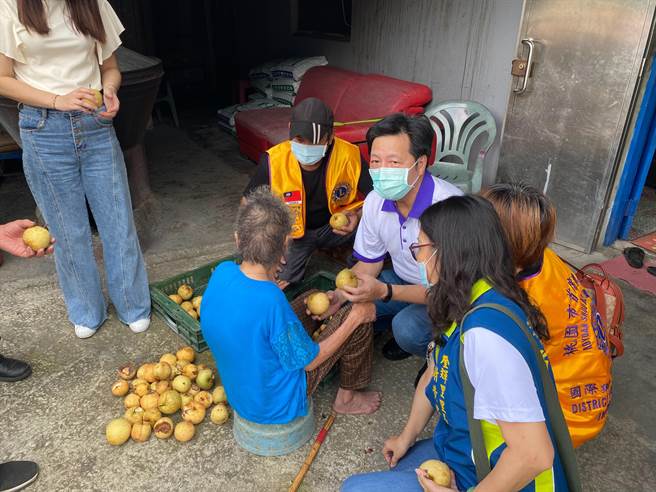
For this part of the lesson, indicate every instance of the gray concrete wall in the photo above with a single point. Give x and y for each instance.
(462, 49)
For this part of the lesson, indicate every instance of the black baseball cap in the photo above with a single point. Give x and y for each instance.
(311, 119)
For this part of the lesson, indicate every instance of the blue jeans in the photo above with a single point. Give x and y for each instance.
(67, 157)
(401, 478)
(411, 326)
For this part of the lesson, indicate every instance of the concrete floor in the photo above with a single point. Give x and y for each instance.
(57, 416)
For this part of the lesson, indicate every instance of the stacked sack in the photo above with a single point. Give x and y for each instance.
(286, 77)
(274, 84)
(260, 80)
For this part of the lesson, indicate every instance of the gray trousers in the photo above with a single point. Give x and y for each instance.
(300, 250)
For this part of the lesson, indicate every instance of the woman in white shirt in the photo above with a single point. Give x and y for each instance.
(55, 57)
(464, 262)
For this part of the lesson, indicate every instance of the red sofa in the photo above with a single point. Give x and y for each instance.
(352, 97)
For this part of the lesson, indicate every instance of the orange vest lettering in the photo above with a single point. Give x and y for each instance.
(342, 176)
(577, 349)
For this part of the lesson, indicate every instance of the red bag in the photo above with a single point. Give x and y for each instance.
(610, 302)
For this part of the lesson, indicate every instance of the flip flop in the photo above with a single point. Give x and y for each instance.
(635, 257)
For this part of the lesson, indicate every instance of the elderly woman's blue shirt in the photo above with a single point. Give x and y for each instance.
(259, 345)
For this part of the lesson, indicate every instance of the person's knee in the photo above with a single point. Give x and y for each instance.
(363, 335)
(411, 331)
(292, 272)
(347, 485)
(355, 483)
(297, 259)
(405, 339)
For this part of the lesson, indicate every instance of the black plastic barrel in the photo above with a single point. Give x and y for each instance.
(141, 78)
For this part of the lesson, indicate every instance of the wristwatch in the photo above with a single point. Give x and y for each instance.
(388, 296)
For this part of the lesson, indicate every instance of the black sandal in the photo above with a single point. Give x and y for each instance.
(651, 270)
(635, 257)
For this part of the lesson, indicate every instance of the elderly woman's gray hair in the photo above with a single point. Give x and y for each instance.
(263, 224)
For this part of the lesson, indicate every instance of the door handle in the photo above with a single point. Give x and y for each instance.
(524, 71)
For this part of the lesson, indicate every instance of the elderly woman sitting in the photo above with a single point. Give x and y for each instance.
(268, 362)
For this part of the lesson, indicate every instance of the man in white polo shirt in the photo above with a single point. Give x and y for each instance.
(399, 147)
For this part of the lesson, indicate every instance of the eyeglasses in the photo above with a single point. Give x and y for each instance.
(414, 247)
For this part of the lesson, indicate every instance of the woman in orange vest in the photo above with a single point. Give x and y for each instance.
(577, 346)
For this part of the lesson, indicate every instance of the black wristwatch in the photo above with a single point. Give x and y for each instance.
(388, 296)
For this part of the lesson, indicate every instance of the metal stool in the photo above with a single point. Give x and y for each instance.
(168, 99)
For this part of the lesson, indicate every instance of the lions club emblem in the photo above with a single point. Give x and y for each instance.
(341, 193)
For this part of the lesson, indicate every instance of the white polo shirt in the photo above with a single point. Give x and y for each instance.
(383, 229)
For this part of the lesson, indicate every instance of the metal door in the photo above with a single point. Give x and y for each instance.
(566, 115)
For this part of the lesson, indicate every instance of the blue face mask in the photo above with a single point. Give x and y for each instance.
(392, 182)
(423, 272)
(308, 155)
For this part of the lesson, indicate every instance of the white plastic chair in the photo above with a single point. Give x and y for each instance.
(457, 125)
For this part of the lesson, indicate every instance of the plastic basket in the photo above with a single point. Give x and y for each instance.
(187, 327)
(172, 314)
(322, 280)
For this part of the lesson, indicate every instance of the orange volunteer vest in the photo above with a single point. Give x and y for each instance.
(578, 347)
(342, 175)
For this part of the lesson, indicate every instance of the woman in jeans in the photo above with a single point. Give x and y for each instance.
(53, 55)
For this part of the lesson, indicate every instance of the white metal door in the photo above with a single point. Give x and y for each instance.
(566, 117)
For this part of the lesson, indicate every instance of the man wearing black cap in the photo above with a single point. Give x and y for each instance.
(317, 175)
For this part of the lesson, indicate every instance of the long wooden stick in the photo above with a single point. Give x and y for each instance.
(313, 453)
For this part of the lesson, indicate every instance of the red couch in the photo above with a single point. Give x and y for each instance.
(352, 97)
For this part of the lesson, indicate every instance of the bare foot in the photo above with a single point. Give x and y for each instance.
(357, 402)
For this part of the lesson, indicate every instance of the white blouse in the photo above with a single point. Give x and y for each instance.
(63, 60)
(502, 379)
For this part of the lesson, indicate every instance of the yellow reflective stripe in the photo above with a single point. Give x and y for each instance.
(478, 289)
(545, 481)
(491, 436)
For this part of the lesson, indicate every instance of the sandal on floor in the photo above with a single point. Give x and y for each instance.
(635, 257)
